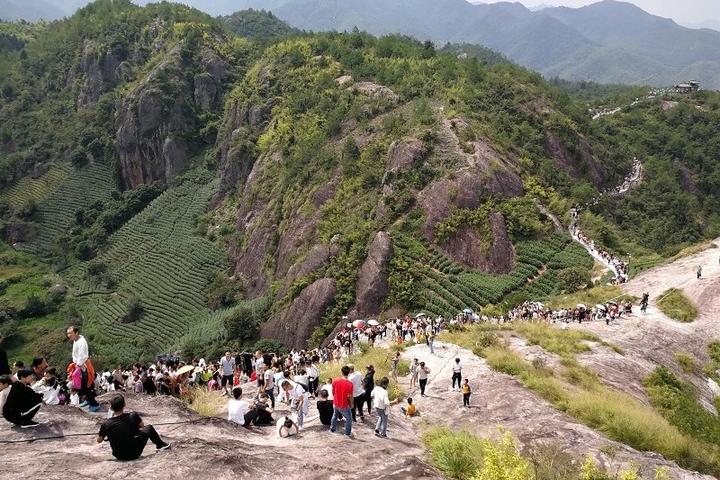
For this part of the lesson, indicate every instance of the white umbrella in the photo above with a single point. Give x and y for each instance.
(467, 311)
(420, 315)
(600, 307)
(373, 323)
(581, 306)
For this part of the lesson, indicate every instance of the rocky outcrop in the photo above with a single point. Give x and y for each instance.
(98, 72)
(467, 247)
(403, 155)
(372, 284)
(374, 90)
(295, 324)
(153, 122)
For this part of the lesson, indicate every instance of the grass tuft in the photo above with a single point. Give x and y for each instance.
(205, 403)
(677, 306)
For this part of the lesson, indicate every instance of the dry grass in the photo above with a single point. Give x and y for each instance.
(204, 402)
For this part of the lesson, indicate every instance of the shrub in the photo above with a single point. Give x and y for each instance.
(204, 402)
(677, 306)
(685, 361)
(134, 312)
(456, 454)
(502, 461)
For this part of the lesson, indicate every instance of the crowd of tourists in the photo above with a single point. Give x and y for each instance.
(618, 266)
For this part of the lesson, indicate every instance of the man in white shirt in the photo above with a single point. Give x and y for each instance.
(357, 382)
(81, 359)
(227, 366)
(238, 409)
(381, 403)
(457, 374)
(269, 385)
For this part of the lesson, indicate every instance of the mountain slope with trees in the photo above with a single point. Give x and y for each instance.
(165, 177)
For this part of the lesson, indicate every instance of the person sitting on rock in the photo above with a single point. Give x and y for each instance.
(22, 403)
(239, 410)
(127, 433)
(262, 413)
(325, 408)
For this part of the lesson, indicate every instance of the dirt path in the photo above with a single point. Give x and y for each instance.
(500, 401)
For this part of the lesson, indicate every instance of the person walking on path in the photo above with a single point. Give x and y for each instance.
(423, 372)
(466, 394)
(381, 402)
(81, 359)
(699, 272)
(457, 374)
(127, 433)
(342, 391)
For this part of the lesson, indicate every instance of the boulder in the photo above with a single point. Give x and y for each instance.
(372, 285)
(403, 155)
(175, 155)
(374, 90)
(296, 323)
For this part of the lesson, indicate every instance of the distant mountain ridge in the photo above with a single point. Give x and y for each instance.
(608, 42)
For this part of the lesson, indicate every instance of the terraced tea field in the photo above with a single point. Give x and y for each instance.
(29, 189)
(447, 288)
(158, 258)
(56, 211)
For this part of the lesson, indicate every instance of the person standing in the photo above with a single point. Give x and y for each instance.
(699, 272)
(342, 391)
(227, 366)
(414, 366)
(368, 386)
(81, 359)
(394, 365)
(466, 394)
(4, 365)
(358, 393)
(381, 402)
(457, 375)
(269, 385)
(423, 372)
(127, 433)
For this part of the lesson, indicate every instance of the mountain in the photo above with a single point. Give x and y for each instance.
(171, 185)
(607, 42)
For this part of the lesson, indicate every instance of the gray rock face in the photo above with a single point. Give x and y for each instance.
(206, 90)
(296, 323)
(152, 121)
(372, 285)
(466, 248)
(582, 163)
(99, 73)
(402, 156)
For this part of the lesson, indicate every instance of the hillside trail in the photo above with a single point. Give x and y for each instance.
(499, 401)
(652, 339)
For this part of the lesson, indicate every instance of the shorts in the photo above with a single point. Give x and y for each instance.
(226, 379)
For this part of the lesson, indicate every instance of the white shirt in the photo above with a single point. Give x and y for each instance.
(237, 410)
(356, 379)
(328, 388)
(298, 393)
(380, 398)
(80, 352)
(228, 365)
(457, 367)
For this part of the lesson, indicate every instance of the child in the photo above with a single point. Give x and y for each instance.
(74, 397)
(466, 394)
(410, 410)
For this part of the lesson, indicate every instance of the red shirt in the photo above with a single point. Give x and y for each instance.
(342, 390)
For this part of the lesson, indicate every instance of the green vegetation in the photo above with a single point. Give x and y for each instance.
(686, 362)
(464, 456)
(677, 306)
(677, 401)
(257, 24)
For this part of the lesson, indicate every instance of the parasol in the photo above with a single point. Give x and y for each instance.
(358, 323)
(185, 369)
(373, 323)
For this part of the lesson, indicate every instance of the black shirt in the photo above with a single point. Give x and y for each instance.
(325, 408)
(121, 432)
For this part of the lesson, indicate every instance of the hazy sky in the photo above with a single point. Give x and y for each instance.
(682, 11)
